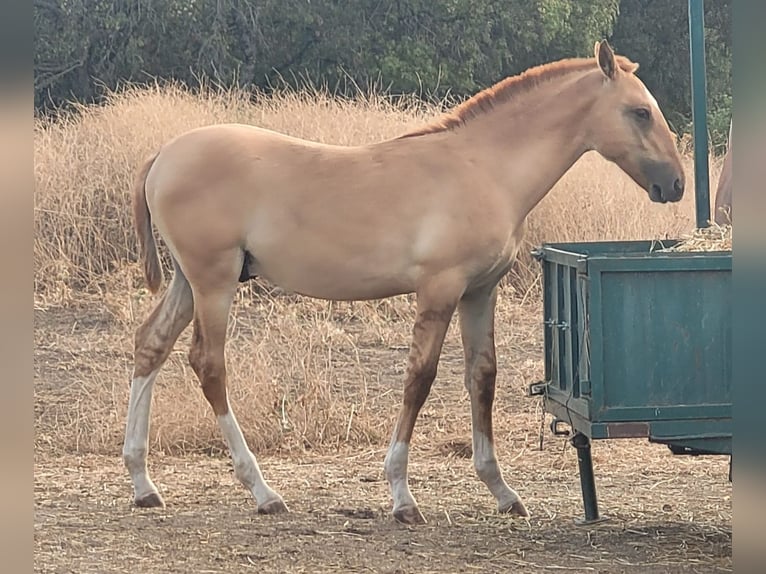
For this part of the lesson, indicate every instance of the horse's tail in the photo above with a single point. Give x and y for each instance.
(142, 221)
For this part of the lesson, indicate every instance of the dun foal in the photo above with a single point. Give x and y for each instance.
(438, 212)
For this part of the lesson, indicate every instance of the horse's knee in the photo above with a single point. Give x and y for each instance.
(485, 385)
(419, 384)
(426, 373)
(480, 382)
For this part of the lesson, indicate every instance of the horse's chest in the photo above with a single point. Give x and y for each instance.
(492, 270)
(498, 259)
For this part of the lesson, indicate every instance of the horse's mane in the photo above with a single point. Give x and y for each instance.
(511, 87)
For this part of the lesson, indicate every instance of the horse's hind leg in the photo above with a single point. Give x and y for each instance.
(477, 312)
(206, 356)
(153, 342)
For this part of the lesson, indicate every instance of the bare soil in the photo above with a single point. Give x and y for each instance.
(668, 514)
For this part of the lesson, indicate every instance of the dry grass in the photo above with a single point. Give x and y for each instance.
(84, 164)
(307, 374)
(303, 375)
(713, 238)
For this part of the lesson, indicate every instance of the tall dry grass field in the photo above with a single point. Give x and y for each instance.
(304, 374)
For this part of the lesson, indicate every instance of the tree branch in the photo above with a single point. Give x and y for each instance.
(45, 75)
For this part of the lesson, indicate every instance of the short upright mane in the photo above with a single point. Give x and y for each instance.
(510, 87)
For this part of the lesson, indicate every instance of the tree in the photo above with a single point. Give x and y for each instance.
(433, 46)
(430, 47)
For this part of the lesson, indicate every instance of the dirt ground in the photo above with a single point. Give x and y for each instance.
(668, 514)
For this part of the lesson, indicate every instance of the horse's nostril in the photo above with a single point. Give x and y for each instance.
(678, 186)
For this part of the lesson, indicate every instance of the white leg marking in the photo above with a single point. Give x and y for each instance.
(246, 467)
(136, 445)
(489, 473)
(396, 472)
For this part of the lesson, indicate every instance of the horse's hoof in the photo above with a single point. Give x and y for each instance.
(515, 509)
(409, 515)
(151, 500)
(277, 506)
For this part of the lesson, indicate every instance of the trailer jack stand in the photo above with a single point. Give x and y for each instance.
(587, 481)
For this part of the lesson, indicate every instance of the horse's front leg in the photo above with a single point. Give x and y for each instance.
(435, 307)
(477, 319)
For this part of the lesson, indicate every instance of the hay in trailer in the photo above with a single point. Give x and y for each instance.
(713, 238)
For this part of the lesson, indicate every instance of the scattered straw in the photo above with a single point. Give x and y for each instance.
(340, 519)
(713, 238)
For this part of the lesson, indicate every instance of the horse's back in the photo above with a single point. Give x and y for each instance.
(226, 166)
(327, 221)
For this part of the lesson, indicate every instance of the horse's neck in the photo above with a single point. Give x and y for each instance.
(529, 144)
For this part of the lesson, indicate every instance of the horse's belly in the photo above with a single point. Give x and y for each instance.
(331, 273)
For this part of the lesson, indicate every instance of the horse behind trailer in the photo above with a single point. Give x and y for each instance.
(723, 208)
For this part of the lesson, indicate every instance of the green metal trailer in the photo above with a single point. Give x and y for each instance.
(637, 339)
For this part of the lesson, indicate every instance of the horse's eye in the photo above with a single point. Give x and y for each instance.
(643, 113)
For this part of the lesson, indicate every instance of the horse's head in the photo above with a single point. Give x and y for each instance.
(629, 129)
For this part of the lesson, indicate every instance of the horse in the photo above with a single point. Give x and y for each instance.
(723, 208)
(438, 211)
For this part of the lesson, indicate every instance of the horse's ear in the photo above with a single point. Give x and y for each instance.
(605, 58)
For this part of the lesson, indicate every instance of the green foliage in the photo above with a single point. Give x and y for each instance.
(431, 47)
(82, 44)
